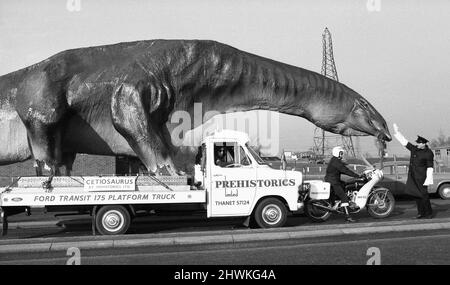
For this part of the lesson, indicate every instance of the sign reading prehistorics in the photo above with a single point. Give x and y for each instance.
(255, 183)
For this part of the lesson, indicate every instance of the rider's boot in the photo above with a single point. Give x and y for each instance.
(348, 218)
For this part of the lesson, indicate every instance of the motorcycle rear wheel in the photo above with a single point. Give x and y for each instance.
(317, 214)
(381, 203)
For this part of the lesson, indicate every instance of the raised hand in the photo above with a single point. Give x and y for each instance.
(395, 128)
(403, 141)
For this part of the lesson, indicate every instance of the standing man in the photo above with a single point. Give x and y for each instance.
(420, 173)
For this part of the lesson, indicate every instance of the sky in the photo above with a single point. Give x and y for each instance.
(394, 53)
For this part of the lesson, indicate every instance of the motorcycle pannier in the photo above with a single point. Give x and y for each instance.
(319, 190)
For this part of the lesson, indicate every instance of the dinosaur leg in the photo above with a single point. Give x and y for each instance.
(37, 164)
(57, 171)
(132, 121)
(37, 167)
(189, 163)
(46, 146)
(68, 159)
(42, 108)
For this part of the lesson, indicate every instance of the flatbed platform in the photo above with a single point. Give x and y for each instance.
(99, 190)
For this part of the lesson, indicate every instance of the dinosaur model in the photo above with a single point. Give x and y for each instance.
(116, 99)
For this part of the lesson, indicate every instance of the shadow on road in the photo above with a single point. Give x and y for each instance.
(148, 225)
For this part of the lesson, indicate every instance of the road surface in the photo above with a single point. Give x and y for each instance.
(417, 248)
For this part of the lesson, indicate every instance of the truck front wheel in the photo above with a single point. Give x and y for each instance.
(112, 220)
(270, 213)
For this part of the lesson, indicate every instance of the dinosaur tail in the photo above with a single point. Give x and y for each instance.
(13, 138)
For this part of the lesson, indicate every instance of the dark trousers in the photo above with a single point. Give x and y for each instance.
(424, 205)
(338, 189)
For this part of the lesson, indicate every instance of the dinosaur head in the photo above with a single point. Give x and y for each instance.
(347, 113)
(365, 119)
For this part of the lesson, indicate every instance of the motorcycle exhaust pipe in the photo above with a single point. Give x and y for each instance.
(324, 207)
(329, 209)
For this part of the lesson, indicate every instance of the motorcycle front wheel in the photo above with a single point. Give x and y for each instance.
(316, 213)
(381, 203)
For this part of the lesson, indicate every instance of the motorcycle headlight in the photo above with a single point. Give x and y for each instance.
(369, 175)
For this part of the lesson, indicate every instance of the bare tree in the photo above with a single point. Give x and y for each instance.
(441, 140)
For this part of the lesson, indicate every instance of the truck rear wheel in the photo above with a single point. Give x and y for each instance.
(112, 220)
(270, 213)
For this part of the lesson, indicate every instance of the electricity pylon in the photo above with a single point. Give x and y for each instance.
(322, 139)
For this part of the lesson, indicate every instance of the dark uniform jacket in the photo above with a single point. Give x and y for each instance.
(334, 170)
(420, 160)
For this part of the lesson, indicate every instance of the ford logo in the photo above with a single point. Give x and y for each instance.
(17, 199)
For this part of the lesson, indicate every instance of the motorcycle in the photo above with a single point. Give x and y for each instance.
(379, 201)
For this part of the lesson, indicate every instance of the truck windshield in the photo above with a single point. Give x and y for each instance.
(255, 155)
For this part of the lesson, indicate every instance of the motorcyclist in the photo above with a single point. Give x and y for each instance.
(335, 168)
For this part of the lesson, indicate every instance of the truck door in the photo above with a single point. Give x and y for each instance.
(233, 181)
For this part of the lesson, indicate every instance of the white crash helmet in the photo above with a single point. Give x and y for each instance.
(337, 151)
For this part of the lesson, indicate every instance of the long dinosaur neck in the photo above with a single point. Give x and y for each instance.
(241, 82)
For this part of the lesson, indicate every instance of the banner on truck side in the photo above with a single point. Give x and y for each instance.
(63, 198)
(119, 183)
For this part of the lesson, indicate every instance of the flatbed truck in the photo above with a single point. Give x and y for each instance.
(242, 185)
